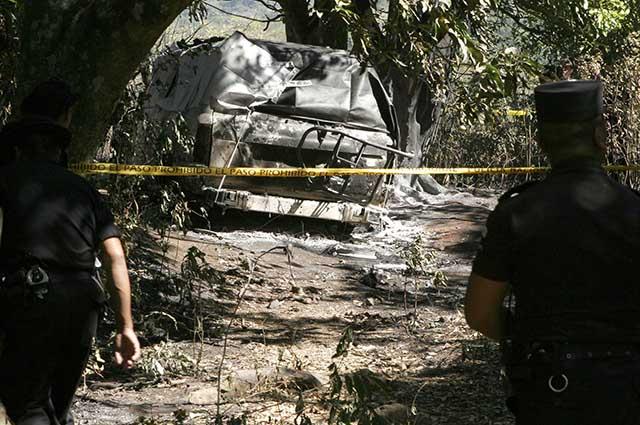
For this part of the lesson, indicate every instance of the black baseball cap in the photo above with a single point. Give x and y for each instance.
(570, 100)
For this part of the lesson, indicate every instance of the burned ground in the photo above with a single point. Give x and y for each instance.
(407, 355)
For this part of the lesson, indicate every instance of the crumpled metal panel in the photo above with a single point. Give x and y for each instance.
(336, 211)
(239, 75)
(274, 130)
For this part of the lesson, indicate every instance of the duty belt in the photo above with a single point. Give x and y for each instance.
(582, 351)
(17, 277)
(554, 357)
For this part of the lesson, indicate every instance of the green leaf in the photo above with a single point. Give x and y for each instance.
(344, 343)
(445, 3)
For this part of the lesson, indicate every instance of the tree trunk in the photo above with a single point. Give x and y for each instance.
(412, 98)
(304, 27)
(95, 45)
(416, 112)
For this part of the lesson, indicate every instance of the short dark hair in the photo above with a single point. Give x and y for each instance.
(49, 99)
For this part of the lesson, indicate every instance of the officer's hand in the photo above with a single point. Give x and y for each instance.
(127, 348)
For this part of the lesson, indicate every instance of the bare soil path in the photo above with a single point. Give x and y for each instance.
(411, 356)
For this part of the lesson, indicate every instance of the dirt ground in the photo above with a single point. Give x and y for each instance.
(409, 356)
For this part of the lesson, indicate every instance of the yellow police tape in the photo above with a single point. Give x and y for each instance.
(165, 170)
(517, 112)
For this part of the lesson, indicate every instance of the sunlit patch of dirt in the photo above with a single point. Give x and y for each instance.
(408, 331)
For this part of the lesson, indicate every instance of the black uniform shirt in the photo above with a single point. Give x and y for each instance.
(570, 247)
(52, 214)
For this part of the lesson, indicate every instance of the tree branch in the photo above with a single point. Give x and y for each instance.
(267, 20)
(270, 5)
(368, 23)
(518, 21)
(96, 46)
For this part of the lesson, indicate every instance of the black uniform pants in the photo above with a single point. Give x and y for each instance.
(46, 348)
(598, 392)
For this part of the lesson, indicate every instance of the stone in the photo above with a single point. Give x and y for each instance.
(202, 396)
(242, 382)
(394, 413)
(275, 304)
(303, 380)
(297, 290)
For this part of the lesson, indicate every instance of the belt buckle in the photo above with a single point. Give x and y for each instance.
(37, 279)
(561, 388)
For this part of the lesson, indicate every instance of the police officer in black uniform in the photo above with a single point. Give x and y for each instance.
(568, 249)
(53, 225)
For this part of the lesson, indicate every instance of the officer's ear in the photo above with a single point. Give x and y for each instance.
(65, 119)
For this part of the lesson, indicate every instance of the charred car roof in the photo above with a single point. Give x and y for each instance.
(238, 75)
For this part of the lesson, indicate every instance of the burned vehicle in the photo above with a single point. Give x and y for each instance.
(254, 103)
